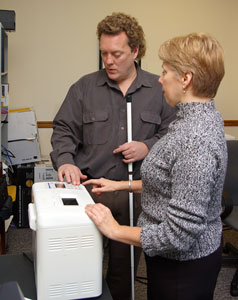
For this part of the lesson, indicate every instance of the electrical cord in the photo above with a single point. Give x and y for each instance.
(8, 154)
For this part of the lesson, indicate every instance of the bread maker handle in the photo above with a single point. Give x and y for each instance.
(32, 216)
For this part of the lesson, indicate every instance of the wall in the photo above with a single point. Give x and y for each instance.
(55, 43)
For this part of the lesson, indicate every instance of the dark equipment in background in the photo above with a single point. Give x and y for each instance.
(230, 212)
(7, 18)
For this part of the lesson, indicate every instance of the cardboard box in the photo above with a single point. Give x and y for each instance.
(23, 143)
(44, 171)
(24, 151)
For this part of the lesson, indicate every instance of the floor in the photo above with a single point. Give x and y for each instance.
(19, 240)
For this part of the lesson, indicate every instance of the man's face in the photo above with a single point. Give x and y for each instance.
(117, 56)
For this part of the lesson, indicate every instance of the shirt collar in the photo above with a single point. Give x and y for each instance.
(142, 79)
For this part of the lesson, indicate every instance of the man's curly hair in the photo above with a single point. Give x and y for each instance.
(120, 22)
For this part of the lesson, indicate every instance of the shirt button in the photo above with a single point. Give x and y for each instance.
(122, 128)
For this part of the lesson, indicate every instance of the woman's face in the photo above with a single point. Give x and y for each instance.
(172, 85)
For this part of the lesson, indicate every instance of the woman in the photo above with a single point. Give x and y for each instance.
(180, 228)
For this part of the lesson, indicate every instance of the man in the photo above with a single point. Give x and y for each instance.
(90, 129)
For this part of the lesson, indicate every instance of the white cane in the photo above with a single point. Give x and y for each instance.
(130, 170)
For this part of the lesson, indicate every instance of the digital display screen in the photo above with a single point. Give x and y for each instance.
(60, 186)
(69, 201)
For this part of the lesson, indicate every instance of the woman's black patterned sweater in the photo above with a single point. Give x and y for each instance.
(183, 177)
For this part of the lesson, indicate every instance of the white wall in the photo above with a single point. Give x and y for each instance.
(55, 43)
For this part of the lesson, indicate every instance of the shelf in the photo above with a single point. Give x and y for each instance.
(4, 87)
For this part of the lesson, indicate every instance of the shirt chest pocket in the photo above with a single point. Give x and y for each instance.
(96, 127)
(150, 122)
(151, 117)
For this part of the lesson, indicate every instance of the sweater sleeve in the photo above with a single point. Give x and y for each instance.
(186, 216)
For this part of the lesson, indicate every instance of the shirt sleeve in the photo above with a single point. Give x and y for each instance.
(186, 216)
(67, 129)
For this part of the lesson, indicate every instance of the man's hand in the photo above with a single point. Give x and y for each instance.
(132, 151)
(71, 173)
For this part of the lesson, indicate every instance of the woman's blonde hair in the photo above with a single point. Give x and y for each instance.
(200, 54)
(120, 22)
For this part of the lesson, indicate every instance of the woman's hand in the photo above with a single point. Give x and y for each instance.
(103, 219)
(103, 185)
